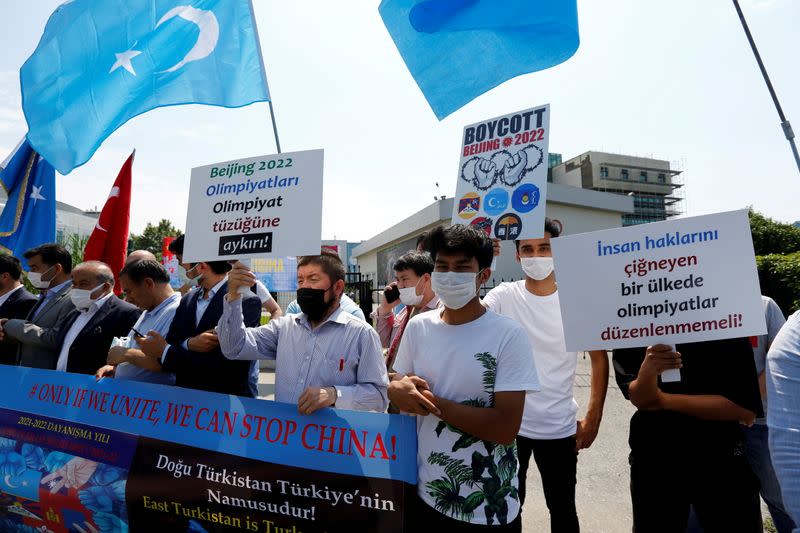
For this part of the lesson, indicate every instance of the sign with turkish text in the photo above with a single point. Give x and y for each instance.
(683, 280)
(502, 175)
(269, 206)
(277, 274)
(79, 454)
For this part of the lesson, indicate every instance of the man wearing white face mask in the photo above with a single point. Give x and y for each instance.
(49, 268)
(550, 429)
(85, 335)
(464, 370)
(413, 272)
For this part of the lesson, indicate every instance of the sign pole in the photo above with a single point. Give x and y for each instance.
(787, 127)
(264, 75)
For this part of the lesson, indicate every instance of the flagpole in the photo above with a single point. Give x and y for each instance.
(787, 127)
(264, 76)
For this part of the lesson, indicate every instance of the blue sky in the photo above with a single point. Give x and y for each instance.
(674, 80)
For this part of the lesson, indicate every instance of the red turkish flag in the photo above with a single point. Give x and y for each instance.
(109, 240)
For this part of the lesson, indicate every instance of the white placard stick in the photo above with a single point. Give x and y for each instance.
(243, 290)
(673, 374)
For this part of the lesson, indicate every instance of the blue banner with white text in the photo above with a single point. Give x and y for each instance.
(78, 454)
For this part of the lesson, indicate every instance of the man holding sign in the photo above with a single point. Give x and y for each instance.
(686, 440)
(323, 357)
(550, 429)
(689, 282)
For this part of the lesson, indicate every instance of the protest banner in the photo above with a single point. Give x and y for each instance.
(502, 175)
(684, 280)
(278, 274)
(269, 206)
(170, 261)
(81, 455)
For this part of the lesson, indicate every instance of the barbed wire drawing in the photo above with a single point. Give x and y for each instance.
(502, 166)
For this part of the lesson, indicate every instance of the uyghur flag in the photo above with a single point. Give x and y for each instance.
(29, 216)
(457, 50)
(101, 63)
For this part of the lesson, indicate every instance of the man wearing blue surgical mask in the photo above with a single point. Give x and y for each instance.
(464, 370)
(550, 429)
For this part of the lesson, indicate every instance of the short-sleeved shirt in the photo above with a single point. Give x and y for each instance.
(551, 413)
(466, 363)
(723, 367)
(775, 321)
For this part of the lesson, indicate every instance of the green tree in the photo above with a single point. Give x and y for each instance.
(75, 245)
(777, 247)
(152, 237)
(771, 237)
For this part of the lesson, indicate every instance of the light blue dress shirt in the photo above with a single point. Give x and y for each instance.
(343, 352)
(783, 418)
(158, 319)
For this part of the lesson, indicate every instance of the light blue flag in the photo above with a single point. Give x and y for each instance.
(29, 216)
(457, 50)
(102, 62)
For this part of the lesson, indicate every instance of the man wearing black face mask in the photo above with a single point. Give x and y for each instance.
(323, 356)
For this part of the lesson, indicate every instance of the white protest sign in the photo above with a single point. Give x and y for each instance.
(502, 175)
(683, 280)
(269, 206)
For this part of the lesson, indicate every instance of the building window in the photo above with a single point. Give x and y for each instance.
(623, 173)
(642, 176)
(662, 178)
(603, 172)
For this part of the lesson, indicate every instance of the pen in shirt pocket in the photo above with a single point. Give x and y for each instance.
(341, 364)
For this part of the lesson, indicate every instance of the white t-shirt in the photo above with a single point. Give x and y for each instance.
(262, 292)
(551, 413)
(466, 363)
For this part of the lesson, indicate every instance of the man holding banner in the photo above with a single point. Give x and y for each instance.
(323, 357)
(550, 429)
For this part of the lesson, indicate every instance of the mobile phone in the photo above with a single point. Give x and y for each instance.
(137, 333)
(392, 294)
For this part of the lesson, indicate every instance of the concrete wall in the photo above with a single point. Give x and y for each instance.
(68, 223)
(584, 171)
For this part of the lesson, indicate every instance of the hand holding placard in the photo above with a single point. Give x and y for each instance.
(240, 278)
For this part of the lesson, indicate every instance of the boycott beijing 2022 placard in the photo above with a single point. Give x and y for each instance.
(81, 455)
(502, 175)
(683, 280)
(266, 206)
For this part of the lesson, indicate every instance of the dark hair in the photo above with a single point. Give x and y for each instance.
(420, 262)
(464, 239)
(217, 267)
(10, 265)
(52, 254)
(138, 271)
(329, 261)
(549, 227)
(176, 246)
(423, 239)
